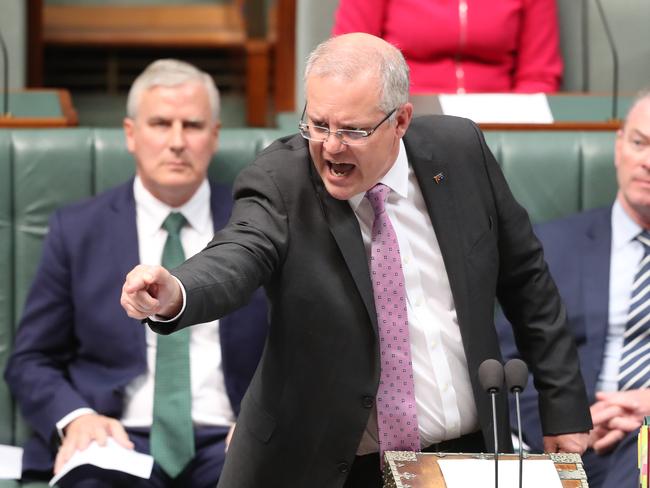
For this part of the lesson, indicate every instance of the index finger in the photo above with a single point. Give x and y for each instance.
(606, 414)
(623, 399)
(139, 279)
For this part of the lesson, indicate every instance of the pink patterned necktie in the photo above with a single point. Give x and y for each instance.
(396, 413)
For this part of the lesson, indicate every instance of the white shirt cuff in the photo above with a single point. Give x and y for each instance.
(75, 414)
(158, 318)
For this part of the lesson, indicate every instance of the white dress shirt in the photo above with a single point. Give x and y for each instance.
(210, 403)
(443, 391)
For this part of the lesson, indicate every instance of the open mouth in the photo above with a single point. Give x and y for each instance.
(340, 169)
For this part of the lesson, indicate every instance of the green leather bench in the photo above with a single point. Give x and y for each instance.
(551, 173)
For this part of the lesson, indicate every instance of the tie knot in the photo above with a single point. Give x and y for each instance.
(644, 238)
(377, 197)
(174, 223)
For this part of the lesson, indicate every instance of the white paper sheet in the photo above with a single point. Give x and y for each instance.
(461, 473)
(511, 108)
(110, 456)
(11, 462)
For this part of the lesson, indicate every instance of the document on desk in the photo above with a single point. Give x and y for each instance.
(111, 456)
(11, 462)
(461, 473)
(499, 108)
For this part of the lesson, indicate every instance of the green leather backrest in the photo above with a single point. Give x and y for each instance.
(599, 184)
(237, 147)
(553, 174)
(6, 284)
(48, 172)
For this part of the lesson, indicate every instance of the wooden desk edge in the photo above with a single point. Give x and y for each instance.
(68, 119)
(609, 125)
(422, 470)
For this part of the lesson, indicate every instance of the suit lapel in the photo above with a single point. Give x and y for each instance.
(595, 292)
(437, 187)
(220, 204)
(344, 227)
(124, 237)
(438, 197)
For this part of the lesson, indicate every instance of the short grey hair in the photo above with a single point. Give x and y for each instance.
(170, 73)
(331, 58)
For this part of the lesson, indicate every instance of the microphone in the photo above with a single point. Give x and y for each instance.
(516, 379)
(490, 374)
(5, 78)
(612, 48)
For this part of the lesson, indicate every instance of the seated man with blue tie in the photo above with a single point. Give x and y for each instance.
(600, 260)
(82, 371)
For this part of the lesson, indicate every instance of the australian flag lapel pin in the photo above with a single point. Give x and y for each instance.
(439, 178)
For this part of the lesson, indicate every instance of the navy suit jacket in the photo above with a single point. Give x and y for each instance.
(76, 347)
(577, 250)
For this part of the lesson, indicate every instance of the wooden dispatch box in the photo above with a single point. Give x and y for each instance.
(405, 469)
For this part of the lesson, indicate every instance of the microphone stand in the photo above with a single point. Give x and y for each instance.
(521, 441)
(516, 373)
(5, 86)
(490, 375)
(612, 48)
(496, 439)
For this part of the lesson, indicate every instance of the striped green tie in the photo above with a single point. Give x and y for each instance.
(172, 433)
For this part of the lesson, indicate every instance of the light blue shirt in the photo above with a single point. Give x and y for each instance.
(626, 254)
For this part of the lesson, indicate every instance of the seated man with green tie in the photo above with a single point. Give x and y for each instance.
(81, 371)
(600, 260)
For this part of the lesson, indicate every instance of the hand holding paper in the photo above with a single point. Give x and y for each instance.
(111, 456)
(81, 431)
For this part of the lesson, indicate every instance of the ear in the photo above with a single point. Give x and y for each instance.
(129, 128)
(215, 134)
(403, 118)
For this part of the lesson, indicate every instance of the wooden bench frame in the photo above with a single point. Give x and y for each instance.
(204, 26)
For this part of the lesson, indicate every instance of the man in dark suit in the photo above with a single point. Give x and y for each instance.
(594, 257)
(80, 369)
(303, 227)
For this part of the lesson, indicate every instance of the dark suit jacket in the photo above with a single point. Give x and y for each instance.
(309, 402)
(577, 250)
(75, 346)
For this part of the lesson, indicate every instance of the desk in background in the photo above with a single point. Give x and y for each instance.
(39, 109)
(578, 112)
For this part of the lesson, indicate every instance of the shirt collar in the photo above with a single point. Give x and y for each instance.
(624, 229)
(152, 212)
(397, 178)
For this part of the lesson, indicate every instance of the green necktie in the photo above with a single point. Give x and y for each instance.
(172, 432)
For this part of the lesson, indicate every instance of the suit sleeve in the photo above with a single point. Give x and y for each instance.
(36, 371)
(531, 302)
(240, 258)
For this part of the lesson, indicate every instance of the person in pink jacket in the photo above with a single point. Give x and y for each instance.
(465, 46)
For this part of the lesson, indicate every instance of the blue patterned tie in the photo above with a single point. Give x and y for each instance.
(635, 360)
(172, 432)
(396, 411)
